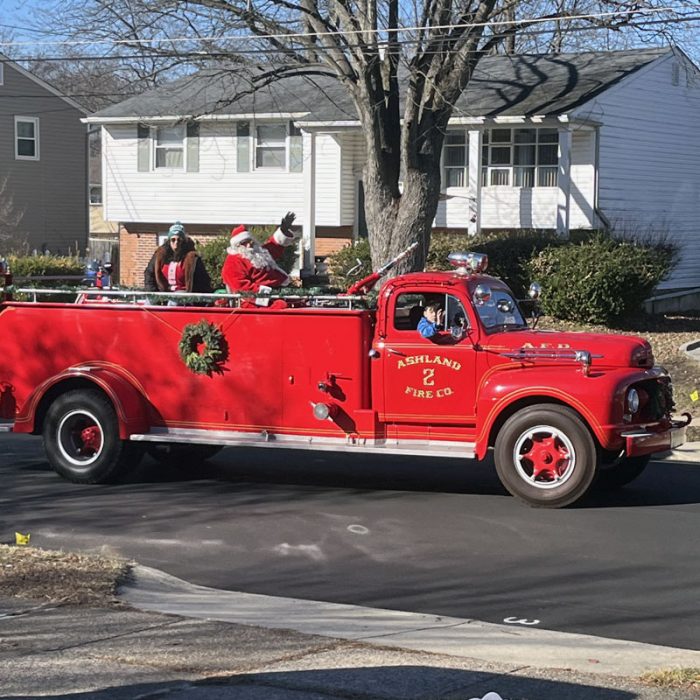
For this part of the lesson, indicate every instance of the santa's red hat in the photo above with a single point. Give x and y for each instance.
(239, 234)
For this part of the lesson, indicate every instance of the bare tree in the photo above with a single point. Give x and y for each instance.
(404, 65)
(10, 214)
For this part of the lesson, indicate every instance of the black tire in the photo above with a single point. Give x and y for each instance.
(181, 456)
(621, 472)
(81, 439)
(545, 456)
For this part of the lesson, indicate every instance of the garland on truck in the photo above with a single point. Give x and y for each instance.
(203, 348)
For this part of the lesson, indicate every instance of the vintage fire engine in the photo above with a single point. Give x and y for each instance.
(117, 373)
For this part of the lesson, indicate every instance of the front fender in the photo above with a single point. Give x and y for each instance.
(127, 396)
(596, 396)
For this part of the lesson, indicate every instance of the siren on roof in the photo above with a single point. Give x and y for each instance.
(468, 263)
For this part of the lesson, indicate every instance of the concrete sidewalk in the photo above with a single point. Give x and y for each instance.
(292, 650)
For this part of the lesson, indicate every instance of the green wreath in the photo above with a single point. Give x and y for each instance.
(203, 348)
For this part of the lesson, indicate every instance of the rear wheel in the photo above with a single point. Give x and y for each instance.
(181, 456)
(545, 456)
(81, 439)
(622, 472)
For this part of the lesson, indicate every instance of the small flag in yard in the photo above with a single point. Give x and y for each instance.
(21, 539)
(694, 396)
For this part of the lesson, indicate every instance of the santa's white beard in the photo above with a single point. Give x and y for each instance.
(256, 255)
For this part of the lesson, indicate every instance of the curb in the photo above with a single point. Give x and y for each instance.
(156, 591)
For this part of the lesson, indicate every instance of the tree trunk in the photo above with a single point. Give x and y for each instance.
(396, 220)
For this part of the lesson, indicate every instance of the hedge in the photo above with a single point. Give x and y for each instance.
(591, 277)
(602, 279)
(49, 266)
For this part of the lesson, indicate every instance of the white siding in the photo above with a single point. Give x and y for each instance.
(650, 159)
(353, 146)
(519, 207)
(582, 179)
(217, 193)
(328, 179)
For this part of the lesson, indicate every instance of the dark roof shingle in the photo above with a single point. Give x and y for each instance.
(502, 85)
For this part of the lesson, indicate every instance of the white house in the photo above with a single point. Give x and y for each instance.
(569, 141)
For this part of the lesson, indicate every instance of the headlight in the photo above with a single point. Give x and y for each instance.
(632, 401)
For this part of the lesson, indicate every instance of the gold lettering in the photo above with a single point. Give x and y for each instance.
(428, 377)
(429, 360)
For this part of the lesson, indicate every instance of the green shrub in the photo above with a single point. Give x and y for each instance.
(508, 252)
(214, 253)
(601, 279)
(46, 266)
(345, 259)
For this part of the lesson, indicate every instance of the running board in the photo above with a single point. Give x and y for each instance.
(227, 438)
(6, 427)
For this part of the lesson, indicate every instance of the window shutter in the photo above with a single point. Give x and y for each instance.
(144, 148)
(193, 147)
(296, 149)
(243, 147)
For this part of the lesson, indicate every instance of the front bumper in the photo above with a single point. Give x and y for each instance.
(644, 441)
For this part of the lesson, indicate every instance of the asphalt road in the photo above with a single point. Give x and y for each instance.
(401, 533)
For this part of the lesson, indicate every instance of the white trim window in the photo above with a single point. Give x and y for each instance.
(26, 138)
(455, 159)
(522, 157)
(271, 146)
(95, 194)
(169, 147)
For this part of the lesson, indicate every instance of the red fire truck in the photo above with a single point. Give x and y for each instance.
(116, 373)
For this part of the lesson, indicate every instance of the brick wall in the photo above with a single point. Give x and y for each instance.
(138, 242)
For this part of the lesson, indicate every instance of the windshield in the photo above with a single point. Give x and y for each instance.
(500, 312)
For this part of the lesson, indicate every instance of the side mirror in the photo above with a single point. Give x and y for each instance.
(535, 291)
(457, 332)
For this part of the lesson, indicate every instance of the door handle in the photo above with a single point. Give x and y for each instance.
(395, 352)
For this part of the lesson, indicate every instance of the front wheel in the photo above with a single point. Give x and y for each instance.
(81, 439)
(545, 456)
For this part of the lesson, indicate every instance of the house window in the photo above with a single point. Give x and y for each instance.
(271, 146)
(523, 157)
(95, 194)
(455, 159)
(169, 147)
(26, 138)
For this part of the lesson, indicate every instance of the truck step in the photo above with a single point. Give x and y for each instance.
(227, 438)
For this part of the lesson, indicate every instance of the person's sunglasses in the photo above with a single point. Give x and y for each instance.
(174, 239)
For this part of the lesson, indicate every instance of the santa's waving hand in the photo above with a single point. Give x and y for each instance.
(249, 265)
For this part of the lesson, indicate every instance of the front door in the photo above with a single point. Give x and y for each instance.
(428, 380)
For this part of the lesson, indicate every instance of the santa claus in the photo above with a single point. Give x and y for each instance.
(251, 267)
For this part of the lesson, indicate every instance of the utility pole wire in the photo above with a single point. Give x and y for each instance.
(312, 35)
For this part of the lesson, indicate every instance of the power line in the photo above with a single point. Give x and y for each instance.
(311, 35)
(319, 49)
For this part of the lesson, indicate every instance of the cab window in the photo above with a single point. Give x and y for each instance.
(500, 312)
(410, 306)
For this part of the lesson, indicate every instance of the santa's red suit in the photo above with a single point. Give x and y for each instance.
(247, 268)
